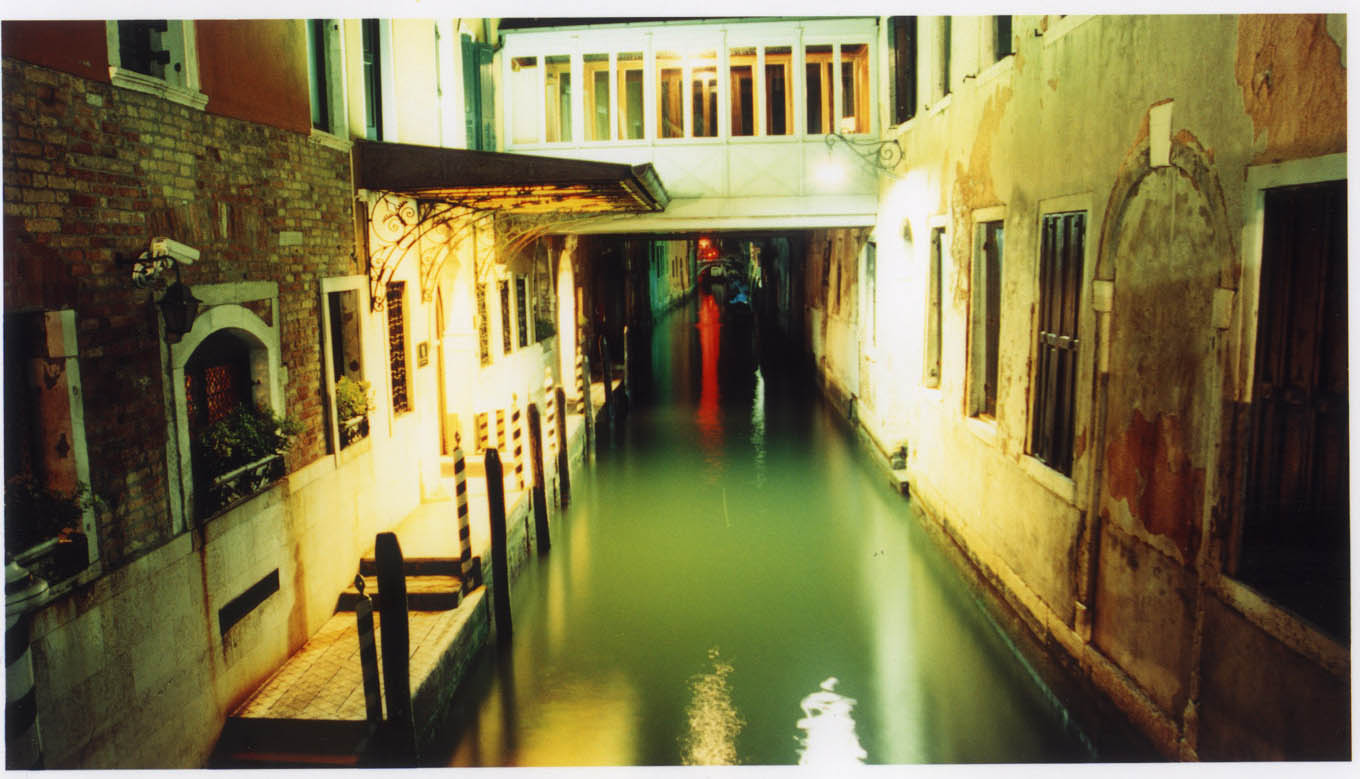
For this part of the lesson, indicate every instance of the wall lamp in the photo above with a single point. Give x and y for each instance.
(883, 155)
(178, 306)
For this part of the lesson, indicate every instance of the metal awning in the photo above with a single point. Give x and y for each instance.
(510, 183)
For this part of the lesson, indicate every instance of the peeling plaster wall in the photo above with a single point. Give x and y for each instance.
(1119, 563)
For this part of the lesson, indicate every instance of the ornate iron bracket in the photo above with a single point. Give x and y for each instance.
(883, 155)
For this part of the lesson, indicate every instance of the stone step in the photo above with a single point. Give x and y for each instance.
(416, 566)
(426, 592)
(290, 743)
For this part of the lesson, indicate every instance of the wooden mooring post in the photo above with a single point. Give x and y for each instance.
(368, 654)
(607, 370)
(627, 383)
(540, 494)
(563, 457)
(399, 733)
(500, 563)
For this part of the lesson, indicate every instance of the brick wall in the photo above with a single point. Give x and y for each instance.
(91, 172)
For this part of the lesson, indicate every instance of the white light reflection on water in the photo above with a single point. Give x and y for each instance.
(758, 428)
(713, 721)
(830, 730)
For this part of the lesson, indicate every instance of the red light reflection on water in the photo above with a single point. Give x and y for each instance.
(707, 416)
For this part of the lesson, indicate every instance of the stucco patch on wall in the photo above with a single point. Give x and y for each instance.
(1293, 84)
(974, 188)
(1148, 466)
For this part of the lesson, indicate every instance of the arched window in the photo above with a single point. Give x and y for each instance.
(216, 380)
(233, 436)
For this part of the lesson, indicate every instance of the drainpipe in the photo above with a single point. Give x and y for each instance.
(1089, 551)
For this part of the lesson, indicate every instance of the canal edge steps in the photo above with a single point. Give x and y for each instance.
(444, 642)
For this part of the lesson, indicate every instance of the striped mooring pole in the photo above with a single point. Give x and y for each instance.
(587, 404)
(563, 457)
(23, 741)
(500, 429)
(483, 425)
(465, 560)
(517, 441)
(550, 411)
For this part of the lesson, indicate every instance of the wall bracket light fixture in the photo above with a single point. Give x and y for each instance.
(178, 306)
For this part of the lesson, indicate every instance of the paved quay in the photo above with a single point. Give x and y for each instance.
(312, 710)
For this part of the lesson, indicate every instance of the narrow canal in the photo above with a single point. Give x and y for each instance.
(735, 583)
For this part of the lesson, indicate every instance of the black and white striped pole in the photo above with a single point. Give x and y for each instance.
(466, 562)
(23, 741)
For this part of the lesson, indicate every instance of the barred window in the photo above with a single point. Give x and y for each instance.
(522, 310)
(1060, 260)
(396, 345)
(506, 335)
(483, 334)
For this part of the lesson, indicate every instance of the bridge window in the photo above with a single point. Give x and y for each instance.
(630, 96)
(596, 85)
(557, 97)
(779, 90)
(704, 95)
(820, 85)
(526, 126)
(742, 64)
(854, 65)
(670, 107)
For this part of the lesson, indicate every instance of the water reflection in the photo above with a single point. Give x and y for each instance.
(829, 730)
(708, 416)
(735, 512)
(713, 721)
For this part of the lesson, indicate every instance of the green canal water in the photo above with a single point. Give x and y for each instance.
(734, 582)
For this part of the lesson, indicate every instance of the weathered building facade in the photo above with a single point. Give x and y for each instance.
(1105, 282)
(322, 299)
(1074, 285)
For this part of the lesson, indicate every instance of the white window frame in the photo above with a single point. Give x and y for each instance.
(972, 398)
(184, 88)
(942, 223)
(338, 136)
(223, 311)
(359, 283)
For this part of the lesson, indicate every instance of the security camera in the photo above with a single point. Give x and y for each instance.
(168, 247)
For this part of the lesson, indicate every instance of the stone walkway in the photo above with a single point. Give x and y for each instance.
(322, 682)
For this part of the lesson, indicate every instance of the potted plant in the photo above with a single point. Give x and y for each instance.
(43, 526)
(351, 407)
(243, 452)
